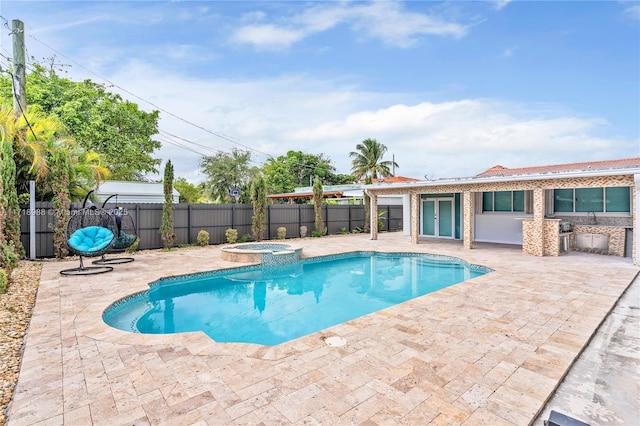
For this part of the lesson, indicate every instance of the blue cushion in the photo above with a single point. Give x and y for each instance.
(90, 239)
(124, 240)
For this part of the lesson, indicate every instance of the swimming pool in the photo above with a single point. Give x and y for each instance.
(272, 305)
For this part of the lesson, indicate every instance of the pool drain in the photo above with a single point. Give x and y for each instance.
(335, 341)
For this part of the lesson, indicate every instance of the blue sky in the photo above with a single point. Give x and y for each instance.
(451, 88)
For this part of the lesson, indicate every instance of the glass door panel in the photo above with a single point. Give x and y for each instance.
(428, 217)
(445, 218)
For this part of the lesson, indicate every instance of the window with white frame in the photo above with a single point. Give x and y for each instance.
(597, 200)
(503, 201)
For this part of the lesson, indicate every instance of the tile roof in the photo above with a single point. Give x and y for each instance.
(559, 168)
(395, 179)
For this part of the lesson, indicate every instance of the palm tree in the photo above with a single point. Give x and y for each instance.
(62, 169)
(367, 160)
(40, 141)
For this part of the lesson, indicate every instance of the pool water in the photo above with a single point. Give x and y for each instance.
(272, 305)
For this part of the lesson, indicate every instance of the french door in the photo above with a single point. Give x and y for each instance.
(437, 217)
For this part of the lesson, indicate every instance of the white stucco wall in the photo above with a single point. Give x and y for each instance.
(133, 192)
(503, 228)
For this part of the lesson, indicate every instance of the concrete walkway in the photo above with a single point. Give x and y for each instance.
(603, 386)
(488, 351)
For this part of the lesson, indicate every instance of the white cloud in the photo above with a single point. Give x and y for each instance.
(392, 25)
(267, 36)
(633, 11)
(508, 52)
(385, 21)
(446, 139)
(499, 4)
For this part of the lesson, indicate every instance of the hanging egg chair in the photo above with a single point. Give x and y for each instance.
(90, 232)
(126, 234)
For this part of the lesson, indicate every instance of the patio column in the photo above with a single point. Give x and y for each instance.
(537, 248)
(415, 218)
(468, 209)
(406, 214)
(635, 218)
(373, 218)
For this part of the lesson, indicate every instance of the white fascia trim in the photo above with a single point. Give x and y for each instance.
(494, 179)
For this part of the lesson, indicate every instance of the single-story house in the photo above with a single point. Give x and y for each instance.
(589, 206)
(345, 194)
(133, 192)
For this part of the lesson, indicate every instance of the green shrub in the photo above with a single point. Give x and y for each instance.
(282, 233)
(24, 198)
(203, 238)
(9, 258)
(320, 233)
(232, 235)
(3, 281)
(133, 247)
(245, 238)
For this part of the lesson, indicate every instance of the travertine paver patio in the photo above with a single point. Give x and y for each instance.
(487, 351)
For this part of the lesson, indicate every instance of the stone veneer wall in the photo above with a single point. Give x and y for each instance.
(550, 238)
(541, 184)
(467, 219)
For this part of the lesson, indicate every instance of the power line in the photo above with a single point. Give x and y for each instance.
(168, 140)
(217, 134)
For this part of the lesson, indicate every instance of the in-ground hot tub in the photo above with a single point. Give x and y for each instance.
(268, 254)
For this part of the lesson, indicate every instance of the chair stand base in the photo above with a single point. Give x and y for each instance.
(86, 270)
(113, 260)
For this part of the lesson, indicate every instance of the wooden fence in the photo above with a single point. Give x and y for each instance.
(189, 219)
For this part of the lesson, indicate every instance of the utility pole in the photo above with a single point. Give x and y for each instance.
(393, 165)
(19, 84)
(19, 78)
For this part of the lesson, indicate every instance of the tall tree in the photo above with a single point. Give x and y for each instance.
(277, 176)
(9, 214)
(226, 171)
(60, 168)
(259, 200)
(44, 138)
(99, 120)
(9, 207)
(166, 228)
(296, 169)
(318, 196)
(367, 160)
(189, 193)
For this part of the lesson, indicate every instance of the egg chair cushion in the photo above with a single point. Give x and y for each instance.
(124, 240)
(91, 240)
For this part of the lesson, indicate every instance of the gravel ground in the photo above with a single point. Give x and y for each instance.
(16, 306)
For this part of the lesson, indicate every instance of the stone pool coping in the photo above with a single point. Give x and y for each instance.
(489, 350)
(240, 255)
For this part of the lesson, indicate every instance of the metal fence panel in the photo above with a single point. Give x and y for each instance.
(337, 219)
(189, 219)
(283, 215)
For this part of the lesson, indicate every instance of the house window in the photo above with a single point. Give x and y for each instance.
(584, 200)
(503, 201)
(618, 200)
